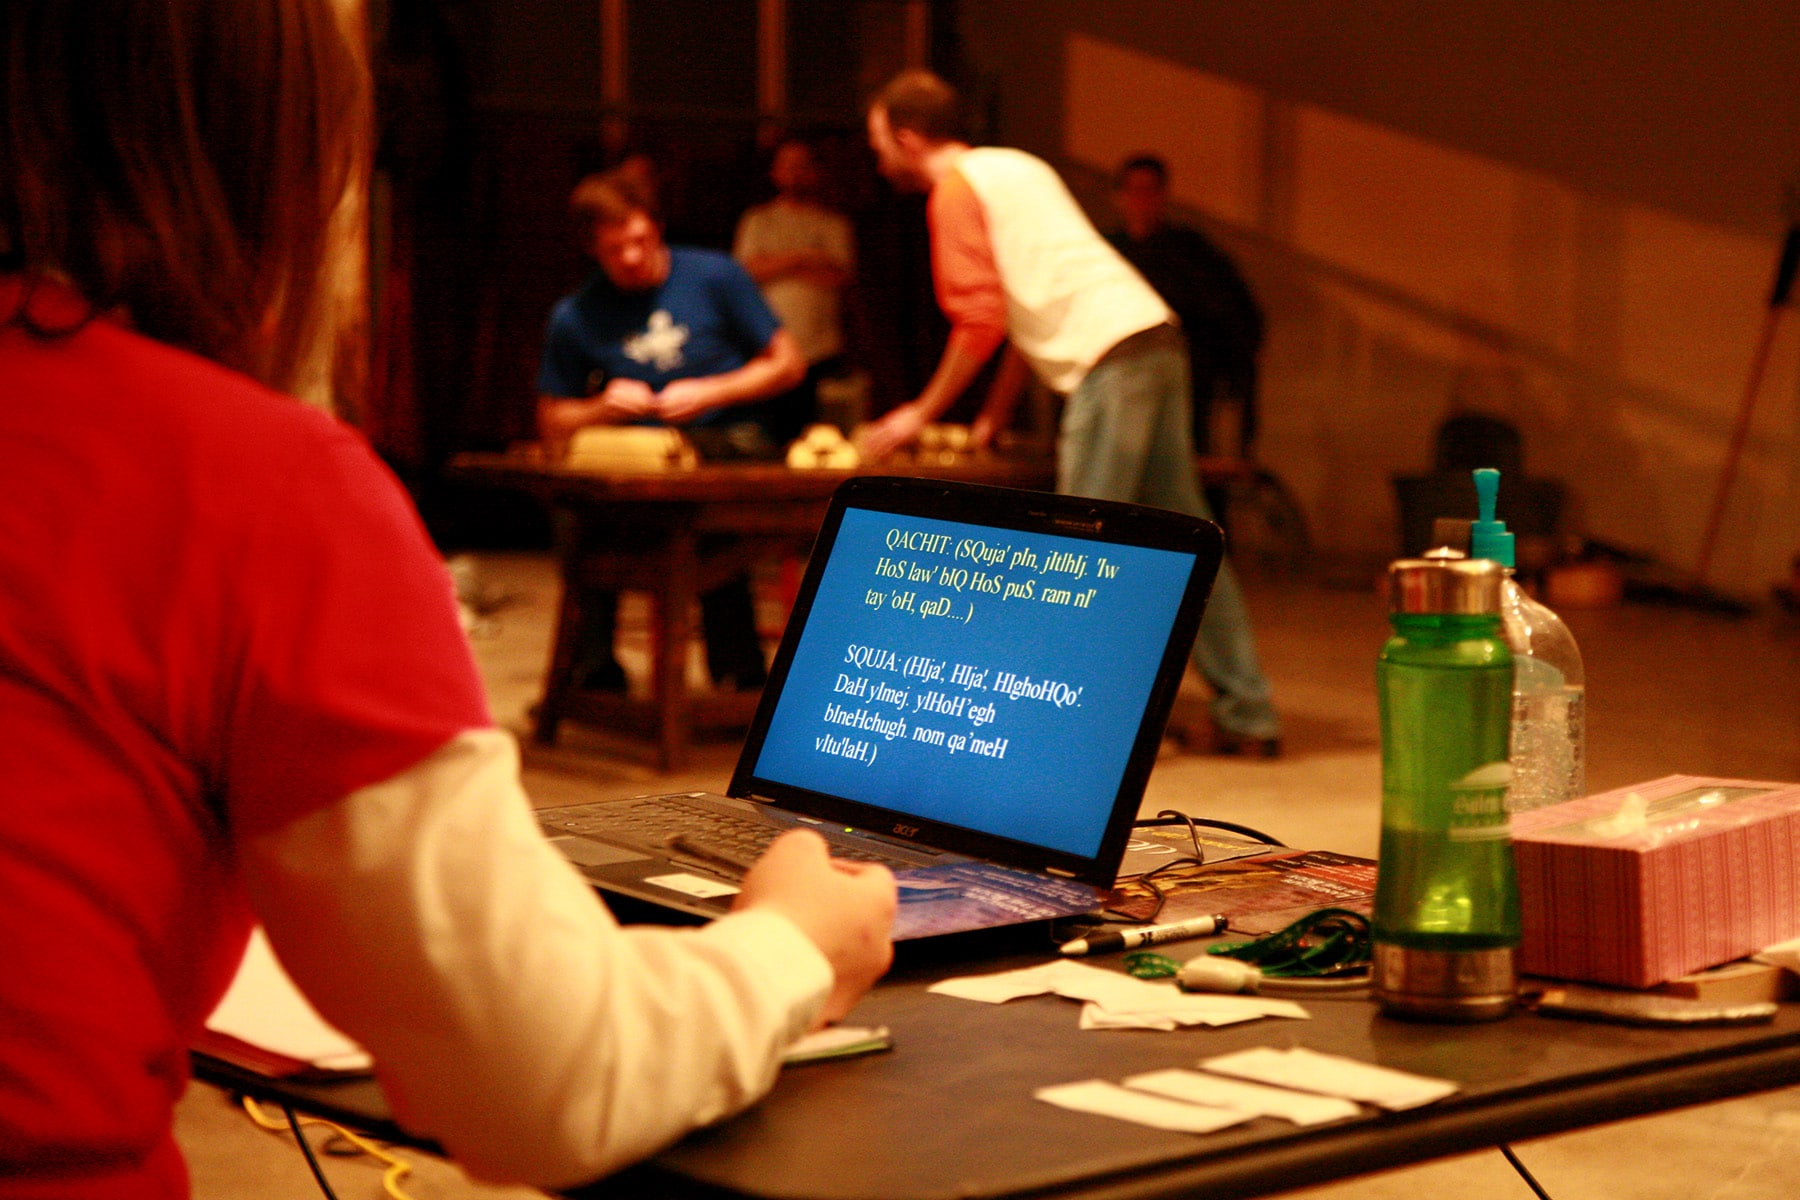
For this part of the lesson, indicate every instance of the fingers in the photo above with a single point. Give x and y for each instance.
(883, 439)
(801, 842)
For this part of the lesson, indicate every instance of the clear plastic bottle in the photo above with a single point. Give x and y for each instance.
(1549, 712)
(1446, 919)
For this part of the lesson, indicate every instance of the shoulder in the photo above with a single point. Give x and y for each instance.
(1191, 239)
(756, 214)
(699, 267)
(701, 260)
(578, 313)
(176, 442)
(215, 408)
(1003, 177)
(1003, 161)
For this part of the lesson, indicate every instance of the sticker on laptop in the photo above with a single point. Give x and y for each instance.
(694, 885)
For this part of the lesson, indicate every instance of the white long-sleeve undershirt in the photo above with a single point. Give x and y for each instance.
(510, 1017)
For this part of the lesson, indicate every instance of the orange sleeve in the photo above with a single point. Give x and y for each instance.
(962, 264)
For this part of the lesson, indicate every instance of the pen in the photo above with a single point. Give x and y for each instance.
(1146, 935)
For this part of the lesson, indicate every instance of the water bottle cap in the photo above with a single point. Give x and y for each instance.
(1441, 584)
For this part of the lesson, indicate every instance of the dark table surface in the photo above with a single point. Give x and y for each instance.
(949, 1112)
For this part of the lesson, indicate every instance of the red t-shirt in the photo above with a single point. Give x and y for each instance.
(218, 612)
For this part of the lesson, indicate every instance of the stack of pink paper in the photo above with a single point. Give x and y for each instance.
(1637, 886)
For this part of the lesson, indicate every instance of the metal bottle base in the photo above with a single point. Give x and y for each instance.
(1444, 985)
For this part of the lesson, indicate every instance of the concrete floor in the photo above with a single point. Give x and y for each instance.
(1669, 690)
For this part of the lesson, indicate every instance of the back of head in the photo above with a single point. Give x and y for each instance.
(1152, 166)
(181, 160)
(923, 103)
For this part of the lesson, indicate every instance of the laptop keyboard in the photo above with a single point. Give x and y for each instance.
(654, 820)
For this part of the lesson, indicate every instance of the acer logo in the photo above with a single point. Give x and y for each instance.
(906, 830)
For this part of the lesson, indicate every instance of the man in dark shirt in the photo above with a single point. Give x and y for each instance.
(1220, 316)
(662, 335)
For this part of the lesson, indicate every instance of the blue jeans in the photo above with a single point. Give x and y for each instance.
(1127, 435)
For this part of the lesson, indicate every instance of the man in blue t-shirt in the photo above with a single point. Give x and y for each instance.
(662, 335)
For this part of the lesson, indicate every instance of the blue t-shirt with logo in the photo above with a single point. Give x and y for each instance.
(707, 317)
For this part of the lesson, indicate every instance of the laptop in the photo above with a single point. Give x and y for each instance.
(971, 688)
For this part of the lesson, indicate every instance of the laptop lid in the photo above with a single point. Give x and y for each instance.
(982, 670)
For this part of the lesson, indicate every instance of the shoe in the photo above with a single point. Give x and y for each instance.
(1242, 745)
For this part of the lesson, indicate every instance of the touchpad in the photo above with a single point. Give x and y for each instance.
(589, 853)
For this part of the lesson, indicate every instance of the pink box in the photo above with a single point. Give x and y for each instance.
(1701, 872)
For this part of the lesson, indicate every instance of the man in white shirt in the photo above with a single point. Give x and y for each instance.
(1015, 260)
(801, 253)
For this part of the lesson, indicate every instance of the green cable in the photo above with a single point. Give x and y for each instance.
(1146, 964)
(1331, 941)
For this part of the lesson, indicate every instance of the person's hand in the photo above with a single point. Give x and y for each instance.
(684, 399)
(557, 421)
(845, 908)
(982, 431)
(625, 400)
(893, 431)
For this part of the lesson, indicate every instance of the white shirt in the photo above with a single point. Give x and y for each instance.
(510, 1017)
(1070, 297)
(809, 312)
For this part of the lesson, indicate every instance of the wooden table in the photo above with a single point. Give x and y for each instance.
(675, 534)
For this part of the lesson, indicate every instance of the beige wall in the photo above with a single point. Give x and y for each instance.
(1500, 237)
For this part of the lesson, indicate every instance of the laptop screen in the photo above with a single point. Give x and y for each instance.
(995, 678)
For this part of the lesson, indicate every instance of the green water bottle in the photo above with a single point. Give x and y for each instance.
(1446, 897)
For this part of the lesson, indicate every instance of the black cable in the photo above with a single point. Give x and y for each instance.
(1170, 817)
(1148, 880)
(1192, 828)
(306, 1149)
(1523, 1173)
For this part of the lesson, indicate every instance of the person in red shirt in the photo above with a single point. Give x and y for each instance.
(233, 685)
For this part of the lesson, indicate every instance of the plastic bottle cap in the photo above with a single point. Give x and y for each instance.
(1489, 538)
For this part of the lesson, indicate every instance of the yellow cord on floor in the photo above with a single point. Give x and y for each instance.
(395, 1167)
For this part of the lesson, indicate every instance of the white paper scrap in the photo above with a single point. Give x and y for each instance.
(1110, 1100)
(1095, 1017)
(1332, 1075)
(1196, 1088)
(1000, 986)
(265, 1008)
(1124, 1002)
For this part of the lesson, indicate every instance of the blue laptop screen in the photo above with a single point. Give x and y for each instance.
(980, 677)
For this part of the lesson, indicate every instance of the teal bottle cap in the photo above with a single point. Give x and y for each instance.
(1489, 538)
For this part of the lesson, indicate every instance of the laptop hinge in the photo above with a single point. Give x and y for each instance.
(1059, 871)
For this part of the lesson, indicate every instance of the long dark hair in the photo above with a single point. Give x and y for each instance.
(181, 160)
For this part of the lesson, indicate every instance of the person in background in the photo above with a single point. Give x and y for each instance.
(801, 254)
(233, 682)
(1218, 312)
(1015, 260)
(663, 335)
